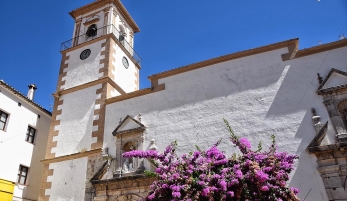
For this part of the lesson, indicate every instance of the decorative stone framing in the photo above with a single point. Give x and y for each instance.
(91, 22)
(91, 15)
(334, 100)
(77, 32)
(99, 117)
(140, 127)
(45, 185)
(332, 158)
(64, 64)
(108, 59)
(132, 137)
(50, 145)
(52, 132)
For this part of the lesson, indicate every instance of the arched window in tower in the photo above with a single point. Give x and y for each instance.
(92, 30)
(122, 34)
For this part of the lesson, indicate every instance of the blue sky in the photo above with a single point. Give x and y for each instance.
(173, 33)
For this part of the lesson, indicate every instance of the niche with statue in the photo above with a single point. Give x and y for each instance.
(129, 136)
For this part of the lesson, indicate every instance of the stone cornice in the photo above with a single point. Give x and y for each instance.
(135, 94)
(332, 89)
(327, 148)
(89, 84)
(321, 48)
(290, 44)
(71, 156)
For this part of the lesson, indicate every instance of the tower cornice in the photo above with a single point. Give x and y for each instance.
(101, 3)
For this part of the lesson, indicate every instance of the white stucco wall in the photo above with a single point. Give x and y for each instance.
(76, 121)
(259, 95)
(125, 78)
(15, 151)
(83, 71)
(68, 180)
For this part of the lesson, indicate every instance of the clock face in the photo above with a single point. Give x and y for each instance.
(125, 62)
(85, 54)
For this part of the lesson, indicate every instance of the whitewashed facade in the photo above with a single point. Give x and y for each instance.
(100, 113)
(16, 147)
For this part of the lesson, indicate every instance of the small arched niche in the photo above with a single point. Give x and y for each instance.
(129, 164)
(129, 146)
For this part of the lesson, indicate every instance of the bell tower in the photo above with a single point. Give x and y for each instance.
(98, 63)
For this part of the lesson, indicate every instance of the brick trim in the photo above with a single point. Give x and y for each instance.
(52, 132)
(112, 60)
(100, 110)
(45, 185)
(62, 74)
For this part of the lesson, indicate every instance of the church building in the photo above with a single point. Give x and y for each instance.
(100, 111)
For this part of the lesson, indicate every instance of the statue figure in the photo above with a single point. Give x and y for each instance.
(128, 164)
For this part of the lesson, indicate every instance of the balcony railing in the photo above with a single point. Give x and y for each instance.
(98, 33)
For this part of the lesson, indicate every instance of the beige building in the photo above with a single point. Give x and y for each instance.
(100, 111)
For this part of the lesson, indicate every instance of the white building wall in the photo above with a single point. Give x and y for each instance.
(83, 71)
(68, 181)
(125, 78)
(76, 122)
(259, 95)
(15, 151)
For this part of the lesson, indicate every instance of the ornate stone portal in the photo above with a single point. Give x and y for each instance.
(128, 182)
(332, 158)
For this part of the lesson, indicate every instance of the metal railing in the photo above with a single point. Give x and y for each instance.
(98, 33)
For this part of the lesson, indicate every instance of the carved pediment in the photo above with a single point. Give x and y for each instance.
(335, 80)
(128, 125)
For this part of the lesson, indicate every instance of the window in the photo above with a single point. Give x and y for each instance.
(3, 120)
(92, 30)
(30, 134)
(22, 174)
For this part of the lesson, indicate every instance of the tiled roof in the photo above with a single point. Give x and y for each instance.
(19, 94)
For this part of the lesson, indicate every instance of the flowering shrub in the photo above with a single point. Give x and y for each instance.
(211, 175)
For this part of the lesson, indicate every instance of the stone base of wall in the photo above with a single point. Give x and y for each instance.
(132, 188)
